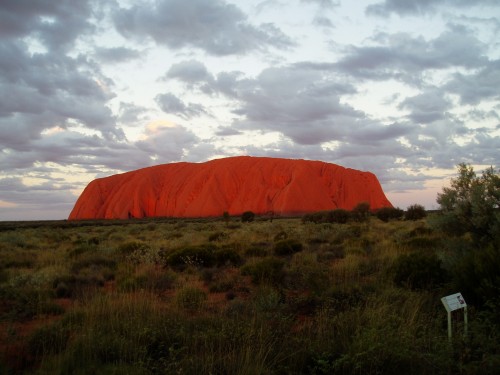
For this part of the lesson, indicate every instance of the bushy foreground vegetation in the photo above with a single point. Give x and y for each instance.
(283, 296)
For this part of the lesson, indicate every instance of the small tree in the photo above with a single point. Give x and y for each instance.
(226, 217)
(247, 216)
(471, 204)
(415, 212)
(361, 212)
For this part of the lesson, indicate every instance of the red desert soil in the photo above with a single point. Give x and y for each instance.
(235, 185)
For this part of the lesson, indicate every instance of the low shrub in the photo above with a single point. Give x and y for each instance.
(267, 298)
(282, 235)
(17, 259)
(227, 256)
(389, 213)
(361, 212)
(49, 339)
(129, 247)
(70, 286)
(256, 251)
(247, 217)
(287, 247)
(339, 216)
(476, 274)
(415, 212)
(199, 256)
(218, 236)
(20, 304)
(206, 255)
(418, 270)
(190, 298)
(266, 270)
(94, 262)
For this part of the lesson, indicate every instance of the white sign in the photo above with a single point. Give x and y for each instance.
(453, 302)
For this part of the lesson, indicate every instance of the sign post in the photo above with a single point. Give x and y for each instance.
(451, 303)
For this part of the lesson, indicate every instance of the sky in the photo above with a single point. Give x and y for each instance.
(404, 89)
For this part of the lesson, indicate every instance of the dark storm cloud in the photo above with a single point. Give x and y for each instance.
(475, 87)
(46, 90)
(214, 26)
(54, 23)
(116, 54)
(412, 7)
(169, 103)
(404, 57)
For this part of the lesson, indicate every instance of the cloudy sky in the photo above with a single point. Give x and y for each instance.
(404, 89)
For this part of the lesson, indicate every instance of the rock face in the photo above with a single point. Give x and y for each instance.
(235, 185)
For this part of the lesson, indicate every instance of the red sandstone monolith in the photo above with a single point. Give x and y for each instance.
(234, 185)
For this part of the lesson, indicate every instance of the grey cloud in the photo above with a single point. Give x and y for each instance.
(170, 103)
(227, 131)
(404, 57)
(168, 144)
(191, 71)
(323, 22)
(214, 26)
(301, 104)
(55, 23)
(47, 200)
(46, 90)
(196, 75)
(427, 107)
(326, 4)
(116, 54)
(475, 87)
(130, 113)
(410, 7)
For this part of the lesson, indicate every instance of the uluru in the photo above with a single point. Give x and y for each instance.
(233, 185)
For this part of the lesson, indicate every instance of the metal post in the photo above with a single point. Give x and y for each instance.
(449, 325)
(465, 321)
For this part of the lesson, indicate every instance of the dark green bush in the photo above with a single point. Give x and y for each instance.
(418, 270)
(19, 304)
(17, 259)
(339, 216)
(389, 213)
(477, 274)
(218, 236)
(206, 255)
(94, 262)
(200, 256)
(287, 247)
(423, 242)
(415, 212)
(49, 339)
(190, 298)
(129, 247)
(256, 251)
(472, 205)
(281, 235)
(70, 286)
(267, 270)
(227, 256)
(247, 217)
(361, 212)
